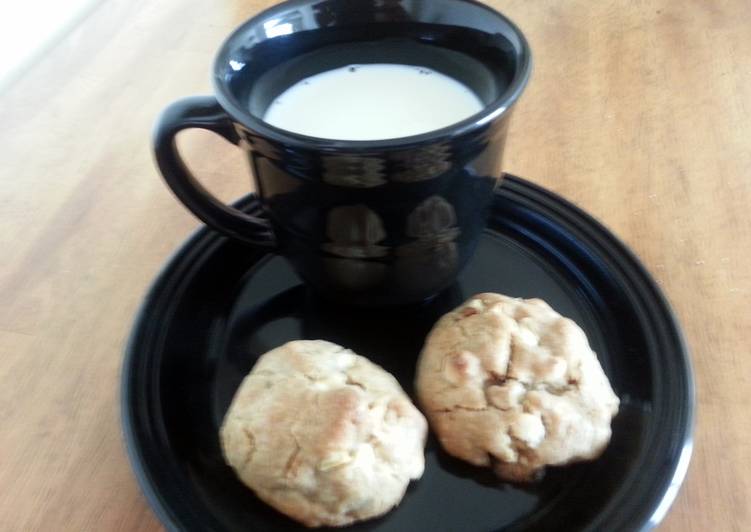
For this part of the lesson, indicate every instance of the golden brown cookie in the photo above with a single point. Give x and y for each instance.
(510, 383)
(324, 435)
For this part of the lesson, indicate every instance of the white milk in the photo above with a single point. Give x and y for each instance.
(372, 102)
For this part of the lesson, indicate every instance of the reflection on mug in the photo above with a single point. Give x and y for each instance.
(354, 172)
(432, 259)
(433, 219)
(354, 233)
(421, 165)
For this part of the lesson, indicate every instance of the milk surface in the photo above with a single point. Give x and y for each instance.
(372, 102)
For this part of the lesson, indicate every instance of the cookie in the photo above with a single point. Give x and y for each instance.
(511, 384)
(323, 435)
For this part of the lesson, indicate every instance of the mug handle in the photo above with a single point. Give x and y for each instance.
(204, 112)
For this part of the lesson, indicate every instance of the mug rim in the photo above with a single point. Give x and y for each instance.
(489, 113)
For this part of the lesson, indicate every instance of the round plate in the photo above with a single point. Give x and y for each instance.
(218, 305)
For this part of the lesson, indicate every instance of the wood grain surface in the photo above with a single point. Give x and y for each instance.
(638, 111)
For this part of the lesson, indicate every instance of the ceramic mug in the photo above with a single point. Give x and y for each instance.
(368, 223)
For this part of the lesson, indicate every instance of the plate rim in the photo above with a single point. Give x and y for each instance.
(204, 237)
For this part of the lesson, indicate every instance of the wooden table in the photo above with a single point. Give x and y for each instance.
(640, 112)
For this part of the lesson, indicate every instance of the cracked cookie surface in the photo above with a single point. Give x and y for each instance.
(323, 435)
(511, 384)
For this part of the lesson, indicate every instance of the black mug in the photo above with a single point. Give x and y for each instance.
(368, 223)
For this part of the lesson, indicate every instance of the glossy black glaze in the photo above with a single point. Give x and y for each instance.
(367, 223)
(217, 306)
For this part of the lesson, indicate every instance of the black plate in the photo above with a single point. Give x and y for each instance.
(218, 305)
